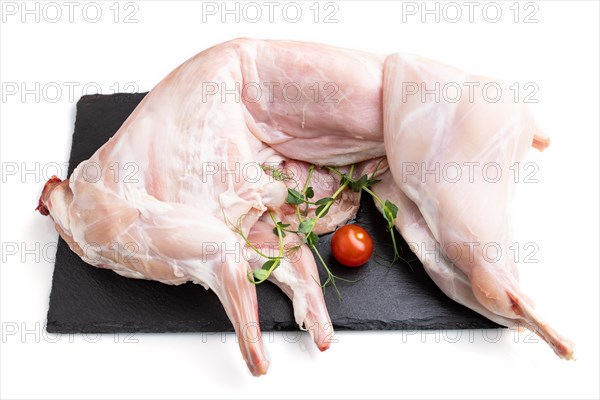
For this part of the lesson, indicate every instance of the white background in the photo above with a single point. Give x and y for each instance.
(560, 213)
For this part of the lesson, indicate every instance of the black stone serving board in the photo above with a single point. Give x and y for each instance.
(86, 299)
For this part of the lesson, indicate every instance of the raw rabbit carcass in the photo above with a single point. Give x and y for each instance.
(201, 140)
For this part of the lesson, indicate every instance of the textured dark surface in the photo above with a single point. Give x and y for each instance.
(88, 299)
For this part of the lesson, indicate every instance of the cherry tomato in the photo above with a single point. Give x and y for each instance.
(351, 245)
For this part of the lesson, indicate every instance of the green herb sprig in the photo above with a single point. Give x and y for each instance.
(302, 200)
(389, 209)
(306, 225)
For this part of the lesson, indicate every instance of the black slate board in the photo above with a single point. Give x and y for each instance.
(85, 299)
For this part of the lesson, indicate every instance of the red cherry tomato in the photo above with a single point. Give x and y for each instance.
(351, 245)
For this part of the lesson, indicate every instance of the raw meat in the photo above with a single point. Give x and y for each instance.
(184, 177)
